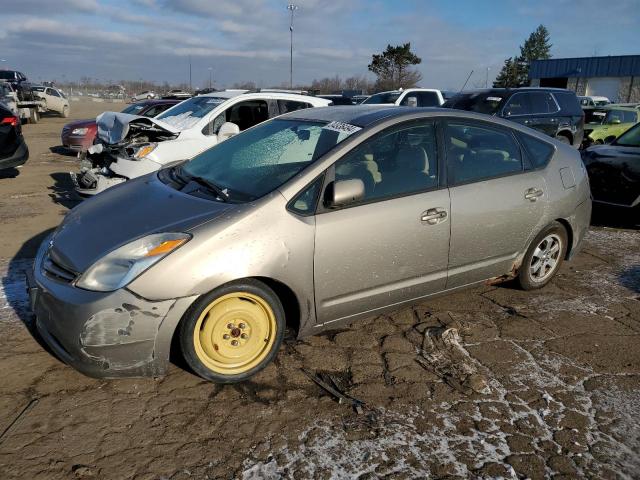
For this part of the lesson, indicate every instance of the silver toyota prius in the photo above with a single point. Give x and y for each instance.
(308, 221)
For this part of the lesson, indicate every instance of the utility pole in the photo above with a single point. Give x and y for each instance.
(486, 79)
(190, 88)
(210, 77)
(292, 8)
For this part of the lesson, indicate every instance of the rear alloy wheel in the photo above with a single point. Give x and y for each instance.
(34, 116)
(544, 257)
(233, 332)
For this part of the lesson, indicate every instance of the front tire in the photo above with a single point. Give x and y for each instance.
(543, 258)
(233, 332)
(65, 112)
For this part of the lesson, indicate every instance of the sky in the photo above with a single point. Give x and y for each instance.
(248, 40)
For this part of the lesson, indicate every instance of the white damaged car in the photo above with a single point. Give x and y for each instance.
(129, 146)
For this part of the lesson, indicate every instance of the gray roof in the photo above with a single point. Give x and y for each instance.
(359, 115)
(617, 66)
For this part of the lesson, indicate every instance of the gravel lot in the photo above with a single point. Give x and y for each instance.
(491, 382)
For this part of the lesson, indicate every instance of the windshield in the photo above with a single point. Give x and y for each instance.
(630, 138)
(133, 109)
(600, 103)
(7, 75)
(616, 116)
(488, 103)
(384, 97)
(256, 162)
(38, 89)
(188, 113)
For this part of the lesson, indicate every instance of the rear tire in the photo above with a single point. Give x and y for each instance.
(34, 117)
(564, 139)
(543, 258)
(233, 332)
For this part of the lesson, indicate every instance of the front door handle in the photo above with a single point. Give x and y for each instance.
(532, 194)
(434, 216)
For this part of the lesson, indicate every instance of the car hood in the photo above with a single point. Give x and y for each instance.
(81, 123)
(124, 213)
(114, 127)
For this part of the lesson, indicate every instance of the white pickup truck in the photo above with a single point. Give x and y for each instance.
(410, 97)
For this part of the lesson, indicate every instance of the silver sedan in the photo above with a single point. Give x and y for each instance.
(308, 221)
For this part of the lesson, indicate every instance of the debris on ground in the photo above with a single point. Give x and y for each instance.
(444, 355)
(326, 381)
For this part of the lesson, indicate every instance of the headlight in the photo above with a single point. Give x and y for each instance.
(79, 131)
(145, 150)
(118, 268)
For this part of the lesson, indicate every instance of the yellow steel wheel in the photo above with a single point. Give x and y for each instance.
(234, 333)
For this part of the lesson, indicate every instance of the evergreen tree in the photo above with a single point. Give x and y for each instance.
(515, 71)
(392, 67)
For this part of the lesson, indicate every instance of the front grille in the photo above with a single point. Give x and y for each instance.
(54, 270)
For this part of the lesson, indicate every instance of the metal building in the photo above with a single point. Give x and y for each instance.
(617, 78)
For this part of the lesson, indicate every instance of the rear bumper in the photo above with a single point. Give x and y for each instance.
(103, 334)
(77, 143)
(19, 157)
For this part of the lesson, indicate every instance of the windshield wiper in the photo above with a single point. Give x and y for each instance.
(186, 178)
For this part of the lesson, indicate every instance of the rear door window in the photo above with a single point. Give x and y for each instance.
(286, 106)
(568, 102)
(538, 152)
(542, 103)
(477, 152)
(518, 104)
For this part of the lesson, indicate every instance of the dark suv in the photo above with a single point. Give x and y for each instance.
(20, 84)
(553, 111)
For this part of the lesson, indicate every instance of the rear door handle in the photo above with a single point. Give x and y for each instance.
(532, 194)
(434, 216)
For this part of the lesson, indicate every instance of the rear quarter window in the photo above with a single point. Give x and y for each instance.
(538, 151)
(568, 103)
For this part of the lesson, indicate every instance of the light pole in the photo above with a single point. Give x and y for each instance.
(210, 77)
(292, 8)
(486, 79)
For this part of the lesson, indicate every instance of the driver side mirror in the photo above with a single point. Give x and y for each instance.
(344, 192)
(227, 130)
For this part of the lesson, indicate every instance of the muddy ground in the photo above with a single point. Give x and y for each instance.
(491, 382)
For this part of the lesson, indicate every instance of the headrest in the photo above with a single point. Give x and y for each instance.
(412, 159)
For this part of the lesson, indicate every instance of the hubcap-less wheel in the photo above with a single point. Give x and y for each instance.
(545, 258)
(234, 333)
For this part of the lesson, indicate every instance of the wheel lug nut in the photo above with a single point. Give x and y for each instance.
(234, 343)
(229, 326)
(244, 335)
(242, 325)
(225, 336)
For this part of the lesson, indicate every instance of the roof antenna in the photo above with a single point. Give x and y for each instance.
(465, 83)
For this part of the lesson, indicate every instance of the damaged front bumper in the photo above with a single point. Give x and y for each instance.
(93, 181)
(103, 334)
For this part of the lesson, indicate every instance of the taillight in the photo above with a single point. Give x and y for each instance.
(13, 121)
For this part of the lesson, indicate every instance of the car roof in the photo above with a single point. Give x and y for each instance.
(359, 115)
(159, 101)
(513, 90)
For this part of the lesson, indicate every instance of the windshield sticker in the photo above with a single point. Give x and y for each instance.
(494, 99)
(342, 127)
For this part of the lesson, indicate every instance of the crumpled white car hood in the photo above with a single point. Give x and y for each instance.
(113, 127)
